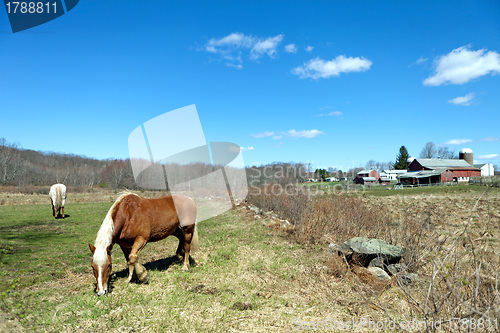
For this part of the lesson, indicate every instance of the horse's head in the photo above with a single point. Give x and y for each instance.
(101, 266)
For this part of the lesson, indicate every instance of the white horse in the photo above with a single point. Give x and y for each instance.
(57, 196)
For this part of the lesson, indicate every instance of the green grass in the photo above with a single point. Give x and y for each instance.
(33, 242)
(46, 281)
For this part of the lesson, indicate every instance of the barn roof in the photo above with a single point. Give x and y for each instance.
(369, 179)
(365, 171)
(433, 163)
(395, 171)
(422, 174)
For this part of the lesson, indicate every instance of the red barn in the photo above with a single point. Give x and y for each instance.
(431, 171)
(367, 177)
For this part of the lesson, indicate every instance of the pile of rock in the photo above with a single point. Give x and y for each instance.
(378, 257)
(259, 213)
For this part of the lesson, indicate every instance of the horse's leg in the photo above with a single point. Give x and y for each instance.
(62, 211)
(180, 249)
(126, 253)
(188, 236)
(140, 271)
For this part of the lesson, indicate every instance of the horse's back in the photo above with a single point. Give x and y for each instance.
(153, 219)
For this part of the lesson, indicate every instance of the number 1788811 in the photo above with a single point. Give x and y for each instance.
(25, 7)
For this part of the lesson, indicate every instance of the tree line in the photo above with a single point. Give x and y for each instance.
(25, 167)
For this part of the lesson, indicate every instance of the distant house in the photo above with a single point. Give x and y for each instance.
(392, 174)
(384, 180)
(423, 171)
(367, 177)
(487, 170)
(331, 179)
(365, 180)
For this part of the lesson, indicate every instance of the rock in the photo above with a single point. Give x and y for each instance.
(285, 224)
(379, 273)
(396, 268)
(340, 250)
(364, 250)
(254, 209)
(377, 262)
(409, 278)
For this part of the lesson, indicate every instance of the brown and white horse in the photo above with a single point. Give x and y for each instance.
(57, 195)
(134, 221)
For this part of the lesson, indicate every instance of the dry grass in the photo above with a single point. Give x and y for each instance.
(451, 241)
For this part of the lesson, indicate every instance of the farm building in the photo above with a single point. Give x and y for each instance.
(433, 171)
(384, 180)
(365, 180)
(332, 179)
(487, 170)
(392, 174)
(365, 177)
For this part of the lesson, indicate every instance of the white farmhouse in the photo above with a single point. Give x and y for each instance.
(487, 170)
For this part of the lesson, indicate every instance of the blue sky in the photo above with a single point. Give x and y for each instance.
(332, 83)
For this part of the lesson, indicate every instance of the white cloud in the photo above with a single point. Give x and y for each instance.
(308, 134)
(319, 68)
(263, 134)
(332, 114)
(234, 46)
(490, 139)
(421, 60)
(463, 65)
(489, 157)
(291, 48)
(463, 100)
(234, 40)
(309, 48)
(267, 46)
(457, 142)
(246, 148)
(292, 134)
(237, 66)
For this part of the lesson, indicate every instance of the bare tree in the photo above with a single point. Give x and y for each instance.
(9, 160)
(371, 164)
(445, 152)
(429, 150)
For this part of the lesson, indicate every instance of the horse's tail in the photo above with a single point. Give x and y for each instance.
(195, 244)
(58, 198)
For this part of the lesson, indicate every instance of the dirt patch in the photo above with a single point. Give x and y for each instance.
(9, 323)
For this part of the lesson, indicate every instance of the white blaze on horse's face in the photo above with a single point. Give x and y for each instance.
(101, 274)
(102, 270)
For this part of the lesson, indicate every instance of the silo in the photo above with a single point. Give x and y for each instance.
(466, 154)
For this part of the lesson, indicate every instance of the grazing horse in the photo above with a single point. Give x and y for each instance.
(57, 195)
(132, 222)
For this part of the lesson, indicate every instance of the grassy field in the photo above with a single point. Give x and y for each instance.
(248, 275)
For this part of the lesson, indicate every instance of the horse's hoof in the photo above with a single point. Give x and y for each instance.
(184, 268)
(146, 280)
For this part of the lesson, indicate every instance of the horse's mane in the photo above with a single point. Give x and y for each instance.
(105, 233)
